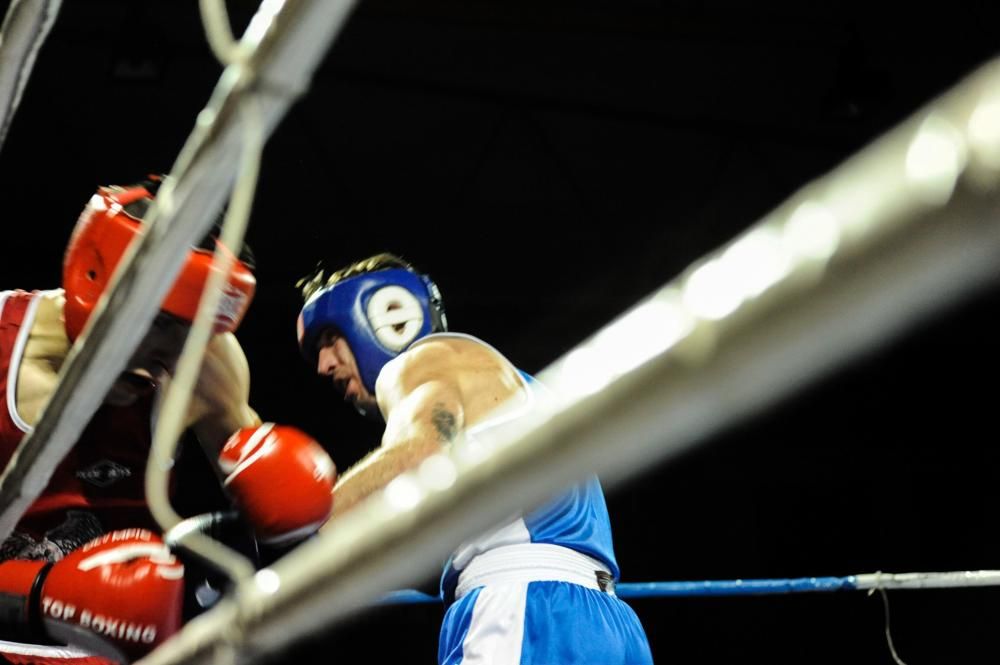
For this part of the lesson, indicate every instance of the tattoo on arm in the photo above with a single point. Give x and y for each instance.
(444, 422)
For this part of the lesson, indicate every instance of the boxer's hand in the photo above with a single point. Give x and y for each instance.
(280, 479)
(123, 588)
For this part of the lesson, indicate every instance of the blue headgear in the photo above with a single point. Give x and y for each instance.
(379, 314)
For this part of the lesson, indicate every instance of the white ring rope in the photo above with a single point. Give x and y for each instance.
(219, 33)
(171, 423)
(25, 28)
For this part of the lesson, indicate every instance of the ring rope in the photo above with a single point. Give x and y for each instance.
(870, 582)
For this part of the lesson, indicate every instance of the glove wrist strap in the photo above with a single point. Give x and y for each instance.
(20, 600)
(35, 625)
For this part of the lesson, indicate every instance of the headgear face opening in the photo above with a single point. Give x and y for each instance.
(101, 236)
(380, 314)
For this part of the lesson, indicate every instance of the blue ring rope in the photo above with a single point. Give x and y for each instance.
(684, 589)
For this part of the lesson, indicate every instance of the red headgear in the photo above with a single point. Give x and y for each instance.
(102, 234)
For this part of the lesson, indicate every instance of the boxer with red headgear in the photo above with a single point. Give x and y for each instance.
(97, 491)
(111, 220)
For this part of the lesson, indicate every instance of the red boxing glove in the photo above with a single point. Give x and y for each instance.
(281, 480)
(124, 588)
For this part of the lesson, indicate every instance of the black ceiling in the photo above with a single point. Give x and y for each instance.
(549, 163)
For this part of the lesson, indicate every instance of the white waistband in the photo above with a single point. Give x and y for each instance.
(531, 562)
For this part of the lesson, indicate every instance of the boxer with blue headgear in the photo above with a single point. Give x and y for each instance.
(537, 590)
(379, 313)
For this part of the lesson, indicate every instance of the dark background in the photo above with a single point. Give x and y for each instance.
(549, 162)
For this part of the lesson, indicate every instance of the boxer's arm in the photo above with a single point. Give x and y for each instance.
(281, 480)
(220, 404)
(420, 397)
